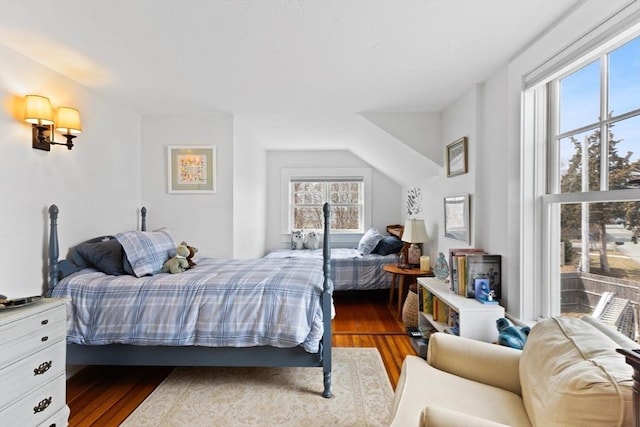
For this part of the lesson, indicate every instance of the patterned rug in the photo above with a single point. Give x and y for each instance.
(202, 396)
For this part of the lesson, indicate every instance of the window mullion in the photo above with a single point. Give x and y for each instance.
(604, 115)
(552, 147)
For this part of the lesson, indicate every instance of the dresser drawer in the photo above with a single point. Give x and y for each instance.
(32, 333)
(32, 372)
(59, 419)
(37, 406)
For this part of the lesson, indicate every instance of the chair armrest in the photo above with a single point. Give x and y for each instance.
(479, 361)
(433, 416)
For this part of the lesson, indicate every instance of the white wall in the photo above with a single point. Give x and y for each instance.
(96, 185)
(386, 194)
(420, 131)
(459, 120)
(203, 220)
(250, 193)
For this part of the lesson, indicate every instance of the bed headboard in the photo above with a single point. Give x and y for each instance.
(54, 251)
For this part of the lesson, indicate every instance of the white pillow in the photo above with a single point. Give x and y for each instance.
(369, 241)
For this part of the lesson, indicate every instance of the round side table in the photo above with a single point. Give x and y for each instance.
(402, 273)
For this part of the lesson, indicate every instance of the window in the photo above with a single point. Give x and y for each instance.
(345, 195)
(587, 122)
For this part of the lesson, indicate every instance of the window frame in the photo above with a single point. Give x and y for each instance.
(325, 174)
(542, 197)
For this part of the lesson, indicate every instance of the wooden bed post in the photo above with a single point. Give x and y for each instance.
(53, 248)
(327, 302)
(143, 219)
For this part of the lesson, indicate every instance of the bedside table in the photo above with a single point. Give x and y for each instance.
(32, 364)
(411, 273)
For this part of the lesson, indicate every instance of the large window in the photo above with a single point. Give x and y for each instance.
(345, 195)
(590, 199)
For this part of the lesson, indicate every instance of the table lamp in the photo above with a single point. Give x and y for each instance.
(414, 233)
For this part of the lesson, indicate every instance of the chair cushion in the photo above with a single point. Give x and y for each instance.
(421, 386)
(571, 375)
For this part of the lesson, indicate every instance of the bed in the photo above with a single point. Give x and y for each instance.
(360, 268)
(350, 270)
(266, 312)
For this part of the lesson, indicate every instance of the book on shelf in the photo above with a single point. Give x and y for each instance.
(484, 266)
(427, 302)
(457, 267)
(439, 310)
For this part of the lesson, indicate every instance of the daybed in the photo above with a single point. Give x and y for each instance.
(218, 313)
(360, 268)
(568, 374)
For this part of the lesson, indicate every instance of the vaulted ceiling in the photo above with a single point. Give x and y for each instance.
(280, 56)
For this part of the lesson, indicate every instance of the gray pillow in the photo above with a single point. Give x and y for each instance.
(104, 255)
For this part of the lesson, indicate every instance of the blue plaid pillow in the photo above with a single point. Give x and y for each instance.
(147, 251)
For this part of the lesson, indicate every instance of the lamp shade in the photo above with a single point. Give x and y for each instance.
(414, 231)
(68, 121)
(37, 110)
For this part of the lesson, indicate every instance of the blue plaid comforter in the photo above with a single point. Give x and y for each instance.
(218, 303)
(350, 270)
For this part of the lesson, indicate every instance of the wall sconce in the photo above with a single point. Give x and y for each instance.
(38, 112)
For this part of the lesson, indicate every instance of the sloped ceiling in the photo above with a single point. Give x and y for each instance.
(278, 56)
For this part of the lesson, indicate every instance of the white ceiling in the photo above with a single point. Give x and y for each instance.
(280, 56)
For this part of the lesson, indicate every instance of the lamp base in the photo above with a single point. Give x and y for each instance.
(413, 254)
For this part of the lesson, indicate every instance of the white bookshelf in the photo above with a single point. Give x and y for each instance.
(476, 320)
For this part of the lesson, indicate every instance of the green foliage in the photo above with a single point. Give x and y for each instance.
(620, 171)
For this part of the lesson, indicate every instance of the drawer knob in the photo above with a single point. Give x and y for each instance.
(44, 367)
(44, 404)
(44, 322)
(45, 338)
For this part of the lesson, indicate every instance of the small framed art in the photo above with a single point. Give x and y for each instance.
(191, 168)
(457, 157)
(456, 217)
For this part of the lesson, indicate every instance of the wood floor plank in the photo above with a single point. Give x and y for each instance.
(104, 396)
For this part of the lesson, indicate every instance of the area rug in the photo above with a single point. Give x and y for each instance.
(239, 397)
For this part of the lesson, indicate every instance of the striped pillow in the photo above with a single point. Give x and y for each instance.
(147, 251)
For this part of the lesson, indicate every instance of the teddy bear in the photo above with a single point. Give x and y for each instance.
(179, 262)
(311, 240)
(297, 239)
(192, 252)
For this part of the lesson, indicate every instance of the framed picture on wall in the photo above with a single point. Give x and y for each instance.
(191, 168)
(457, 157)
(456, 217)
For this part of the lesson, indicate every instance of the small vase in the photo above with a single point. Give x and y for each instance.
(441, 269)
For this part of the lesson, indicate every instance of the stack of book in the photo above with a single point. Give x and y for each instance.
(471, 264)
(440, 312)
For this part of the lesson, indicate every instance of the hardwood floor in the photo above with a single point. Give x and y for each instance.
(106, 395)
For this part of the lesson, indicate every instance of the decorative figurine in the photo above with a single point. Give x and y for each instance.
(441, 269)
(510, 335)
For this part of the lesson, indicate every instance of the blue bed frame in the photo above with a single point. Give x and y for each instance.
(122, 354)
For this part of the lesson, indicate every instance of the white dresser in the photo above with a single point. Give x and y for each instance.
(32, 365)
